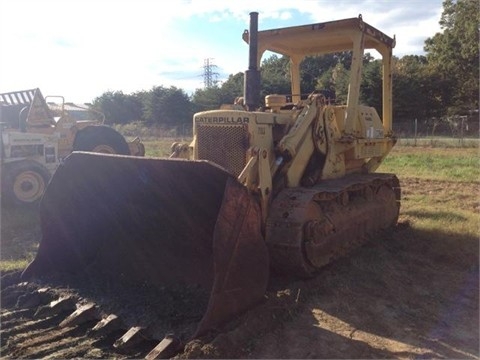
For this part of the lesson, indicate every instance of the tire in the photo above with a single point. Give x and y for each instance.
(101, 139)
(24, 182)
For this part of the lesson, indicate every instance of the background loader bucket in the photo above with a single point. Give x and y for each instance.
(157, 221)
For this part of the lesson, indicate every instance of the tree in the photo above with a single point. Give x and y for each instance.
(119, 108)
(213, 97)
(371, 85)
(275, 72)
(454, 53)
(207, 99)
(417, 91)
(313, 67)
(335, 81)
(232, 88)
(167, 106)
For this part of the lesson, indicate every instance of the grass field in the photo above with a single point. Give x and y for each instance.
(441, 188)
(438, 163)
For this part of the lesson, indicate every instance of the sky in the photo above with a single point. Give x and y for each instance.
(80, 49)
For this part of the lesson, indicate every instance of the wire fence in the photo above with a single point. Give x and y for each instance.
(458, 131)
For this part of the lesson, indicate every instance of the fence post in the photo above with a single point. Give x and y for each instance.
(461, 129)
(415, 136)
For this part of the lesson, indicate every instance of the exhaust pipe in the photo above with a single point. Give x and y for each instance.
(251, 90)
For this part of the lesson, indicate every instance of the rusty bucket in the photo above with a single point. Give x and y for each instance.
(157, 221)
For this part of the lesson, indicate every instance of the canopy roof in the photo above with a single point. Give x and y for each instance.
(321, 38)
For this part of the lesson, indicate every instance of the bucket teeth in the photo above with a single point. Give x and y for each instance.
(70, 314)
(107, 326)
(11, 297)
(167, 348)
(56, 307)
(80, 316)
(8, 315)
(131, 338)
(33, 299)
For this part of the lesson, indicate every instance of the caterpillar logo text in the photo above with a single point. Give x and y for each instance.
(222, 120)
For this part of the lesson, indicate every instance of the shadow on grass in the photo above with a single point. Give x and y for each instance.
(19, 235)
(436, 215)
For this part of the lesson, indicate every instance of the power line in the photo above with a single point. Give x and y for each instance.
(210, 77)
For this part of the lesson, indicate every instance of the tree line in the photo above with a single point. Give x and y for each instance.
(443, 82)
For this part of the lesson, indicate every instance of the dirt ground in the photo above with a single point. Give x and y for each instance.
(411, 294)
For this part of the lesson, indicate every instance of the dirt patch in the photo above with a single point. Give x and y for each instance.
(399, 297)
(32, 328)
(441, 193)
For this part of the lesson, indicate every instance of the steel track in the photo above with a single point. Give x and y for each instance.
(310, 227)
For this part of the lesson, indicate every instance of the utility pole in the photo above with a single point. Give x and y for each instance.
(209, 75)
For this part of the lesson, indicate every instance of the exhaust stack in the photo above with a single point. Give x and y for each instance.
(251, 89)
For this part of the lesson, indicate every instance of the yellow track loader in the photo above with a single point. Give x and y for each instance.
(288, 187)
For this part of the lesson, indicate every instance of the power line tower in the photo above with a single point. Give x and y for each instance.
(210, 77)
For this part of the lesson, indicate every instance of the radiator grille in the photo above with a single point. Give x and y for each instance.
(225, 145)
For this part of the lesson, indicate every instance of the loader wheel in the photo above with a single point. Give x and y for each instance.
(24, 182)
(101, 139)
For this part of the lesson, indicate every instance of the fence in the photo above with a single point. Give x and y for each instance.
(454, 131)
